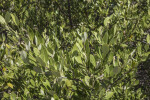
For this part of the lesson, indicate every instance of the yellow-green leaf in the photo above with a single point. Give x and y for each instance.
(2, 20)
(87, 79)
(106, 21)
(109, 95)
(15, 19)
(10, 85)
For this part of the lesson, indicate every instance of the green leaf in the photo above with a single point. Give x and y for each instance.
(26, 91)
(84, 37)
(110, 57)
(23, 56)
(46, 84)
(106, 21)
(149, 11)
(113, 41)
(116, 70)
(35, 40)
(37, 69)
(32, 82)
(28, 45)
(13, 96)
(10, 85)
(87, 49)
(38, 59)
(107, 69)
(115, 63)
(15, 19)
(31, 34)
(139, 48)
(115, 29)
(105, 50)
(5, 95)
(87, 80)
(2, 20)
(75, 48)
(36, 51)
(7, 17)
(92, 60)
(105, 38)
(109, 95)
(68, 83)
(124, 45)
(146, 47)
(42, 91)
(78, 59)
(148, 38)
(44, 54)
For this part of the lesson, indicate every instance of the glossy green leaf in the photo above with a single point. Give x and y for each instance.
(2, 20)
(10, 85)
(106, 21)
(87, 80)
(42, 91)
(23, 56)
(26, 91)
(46, 83)
(15, 19)
(84, 37)
(149, 11)
(68, 83)
(115, 29)
(32, 82)
(148, 38)
(124, 45)
(78, 59)
(36, 51)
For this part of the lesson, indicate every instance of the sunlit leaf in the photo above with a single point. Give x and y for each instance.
(13, 96)
(2, 20)
(109, 95)
(10, 85)
(106, 21)
(26, 91)
(15, 19)
(148, 38)
(68, 83)
(78, 59)
(87, 79)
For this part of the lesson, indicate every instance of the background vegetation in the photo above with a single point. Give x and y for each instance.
(74, 49)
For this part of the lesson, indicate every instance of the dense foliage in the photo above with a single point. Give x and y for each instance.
(74, 49)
